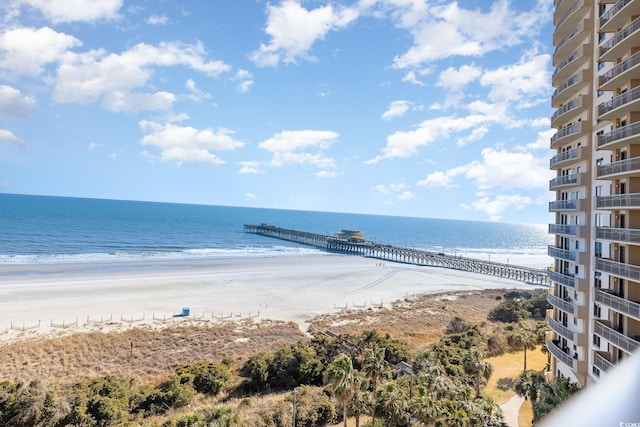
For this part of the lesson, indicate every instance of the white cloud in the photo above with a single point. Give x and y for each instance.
(250, 167)
(7, 137)
(396, 109)
(530, 76)
(304, 147)
(13, 103)
(294, 29)
(114, 78)
(244, 79)
(25, 51)
(403, 144)
(499, 27)
(406, 195)
(93, 146)
(76, 10)
(185, 143)
(504, 169)
(455, 79)
(250, 196)
(158, 20)
(542, 142)
(496, 207)
(441, 179)
(196, 94)
(411, 77)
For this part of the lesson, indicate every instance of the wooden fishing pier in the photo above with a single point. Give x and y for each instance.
(403, 254)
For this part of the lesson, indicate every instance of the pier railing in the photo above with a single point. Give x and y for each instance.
(403, 254)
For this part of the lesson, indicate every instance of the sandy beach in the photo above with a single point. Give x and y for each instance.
(280, 288)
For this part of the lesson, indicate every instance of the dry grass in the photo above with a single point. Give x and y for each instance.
(418, 320)
(67, 359)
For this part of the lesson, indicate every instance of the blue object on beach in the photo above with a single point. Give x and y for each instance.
(185, 311)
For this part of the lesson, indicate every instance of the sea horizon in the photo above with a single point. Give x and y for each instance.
(61, 229)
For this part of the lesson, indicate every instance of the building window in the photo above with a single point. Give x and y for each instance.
(598, 190)
(598, 249)
(596, 340)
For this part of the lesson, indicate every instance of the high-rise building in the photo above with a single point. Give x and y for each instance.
(595, 295)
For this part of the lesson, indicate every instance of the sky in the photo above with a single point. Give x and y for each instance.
(425, 108)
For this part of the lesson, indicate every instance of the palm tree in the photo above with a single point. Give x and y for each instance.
(394, 403)
(553, 394)
(528, 342)
(454, 415)
(424, 406)
(528, 385)
(360, 399)
(341, 380)
(479, 370)
(373, 364)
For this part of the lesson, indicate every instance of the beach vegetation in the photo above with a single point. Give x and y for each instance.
(520, 305)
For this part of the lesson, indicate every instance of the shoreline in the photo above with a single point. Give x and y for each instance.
(287, 288)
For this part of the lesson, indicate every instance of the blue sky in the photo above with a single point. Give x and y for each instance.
(396, 107)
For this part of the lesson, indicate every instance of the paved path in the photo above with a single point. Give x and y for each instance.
(510, 410)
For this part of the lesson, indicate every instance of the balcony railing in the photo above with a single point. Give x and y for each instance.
(628, 235)
(618, 201)
(578, 53)
(563, 205)
(621, 305)
(620, 35)
(560, 303)
(600, 362)
(564, 254)
(622, 67)
(568, 230)
(566, 131)
(562, 181)
(568, 106)
(621, 166)
(560, 354)
(565, 155)
(568, 13)
(558, 328)
(611, 12)
(576, 78)
(618, 134)
(563, 279)
(616, 338)
(620, 100)
(568, 36)
(620, 269)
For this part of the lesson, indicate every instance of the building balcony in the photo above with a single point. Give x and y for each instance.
(601, 362)
(563, 279)
(563, 181)
(617, 15)
(618, 138)
(571, 88)
(619, 269)
(558, 328)
(616, 338)
(621, 305)
(561, 7)
(563, 229)
(567, 133)
(571, 40)
(626, 70)
(627, 201)
(565, 205)
(569, 19)
(559, 303)
(561, 355)
(619, 169)
(570, 110)
(623, 235)
(565, 158)
(564, 254)
(620, 105)
(618, 45)
(570, 64)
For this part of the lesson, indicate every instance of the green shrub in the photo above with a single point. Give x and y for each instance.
(205, 377)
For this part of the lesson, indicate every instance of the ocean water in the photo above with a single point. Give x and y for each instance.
(42, 229)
